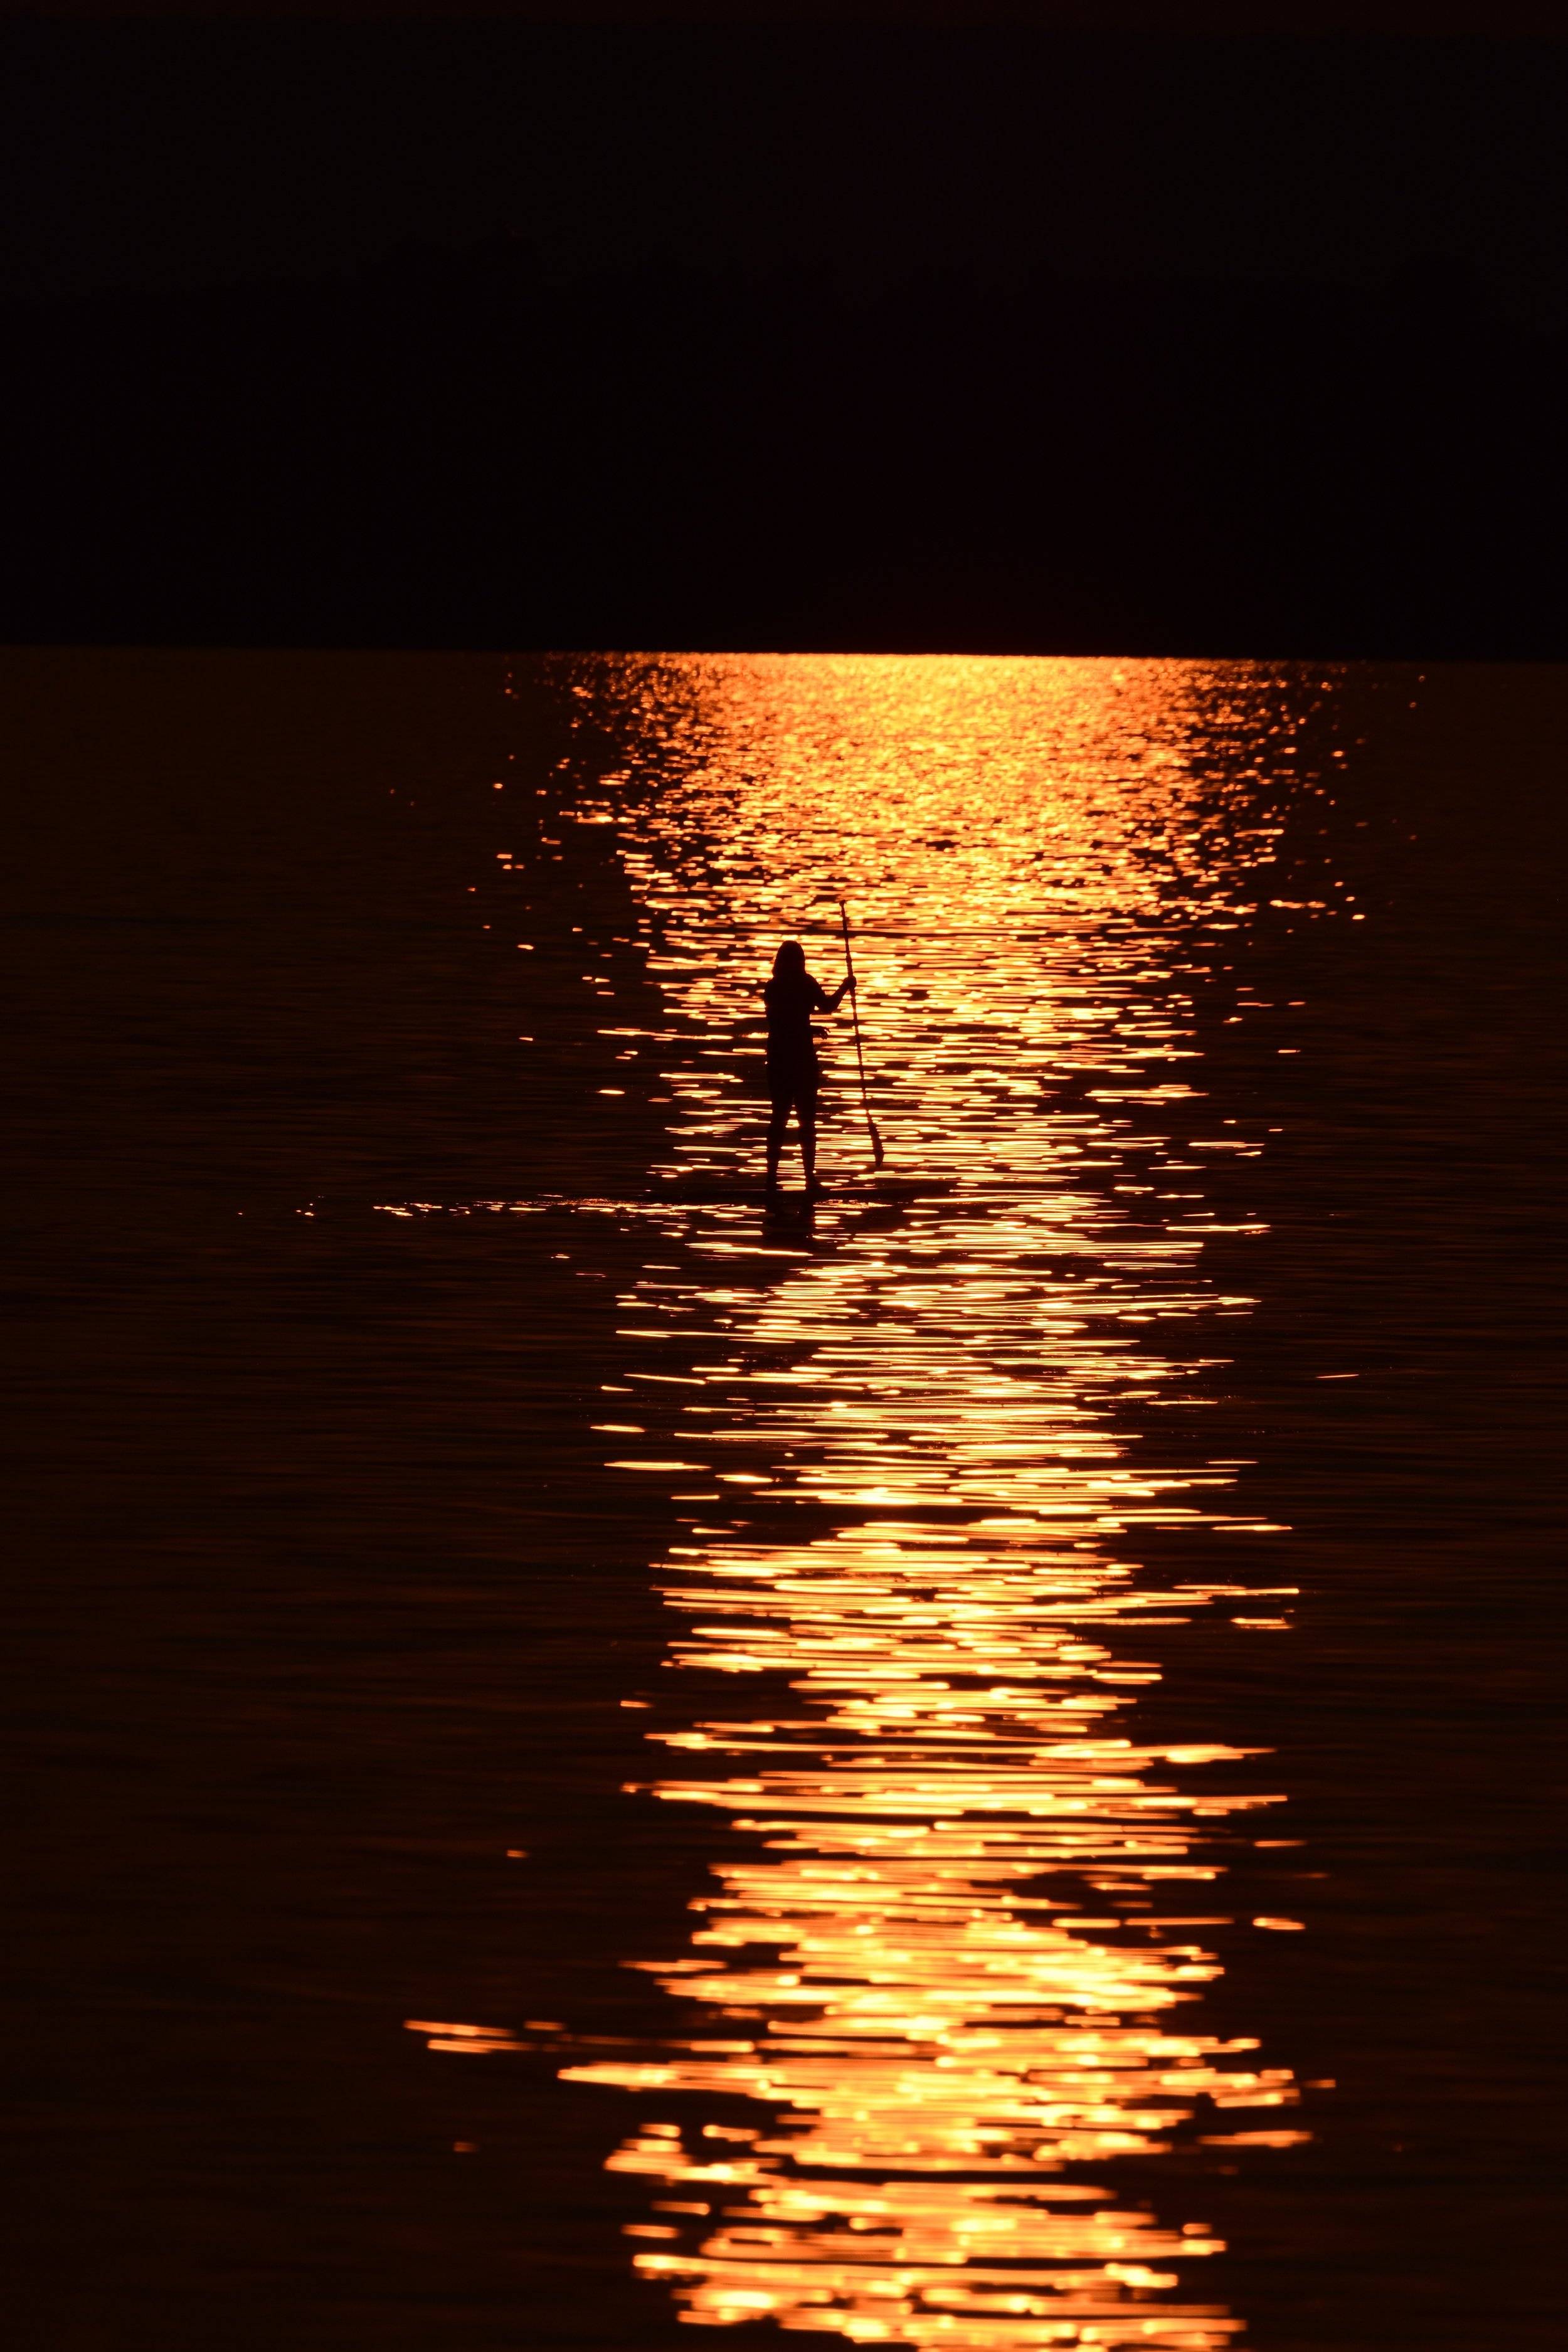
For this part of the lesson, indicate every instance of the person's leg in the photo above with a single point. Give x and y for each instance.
(806, 1107)
(775, 1138)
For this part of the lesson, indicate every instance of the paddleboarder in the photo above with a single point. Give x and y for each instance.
(794, 1074)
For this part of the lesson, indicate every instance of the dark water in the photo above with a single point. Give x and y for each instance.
(976, 1770)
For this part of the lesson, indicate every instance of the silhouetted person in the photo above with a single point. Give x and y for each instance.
(794, 1074)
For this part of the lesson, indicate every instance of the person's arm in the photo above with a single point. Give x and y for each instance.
(846, 987)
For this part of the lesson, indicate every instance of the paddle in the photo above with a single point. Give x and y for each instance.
(877, 1152)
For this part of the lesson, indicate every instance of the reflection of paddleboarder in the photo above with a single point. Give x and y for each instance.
(794, 1074)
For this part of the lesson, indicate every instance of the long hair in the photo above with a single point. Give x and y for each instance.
(790, 961)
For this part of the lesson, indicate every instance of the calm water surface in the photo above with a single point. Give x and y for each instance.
(965, 1768)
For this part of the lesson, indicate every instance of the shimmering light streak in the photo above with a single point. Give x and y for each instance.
(965, 1954)
(960, 1960)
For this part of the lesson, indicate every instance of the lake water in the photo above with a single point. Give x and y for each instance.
(971, 1768)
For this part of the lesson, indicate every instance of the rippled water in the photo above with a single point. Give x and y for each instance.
(965, 1958)
(970, 1760)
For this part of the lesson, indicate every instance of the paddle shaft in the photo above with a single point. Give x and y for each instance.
(859, 1056)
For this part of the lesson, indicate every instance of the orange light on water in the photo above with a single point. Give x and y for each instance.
(965, 1955)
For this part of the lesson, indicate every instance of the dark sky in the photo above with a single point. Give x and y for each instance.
(178, 153)
(1415, 17)
(802, 326)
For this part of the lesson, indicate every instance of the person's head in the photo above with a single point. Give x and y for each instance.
(790, 961)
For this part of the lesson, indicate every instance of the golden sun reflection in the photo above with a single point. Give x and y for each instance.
(959, 1961)
(965, 1956)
